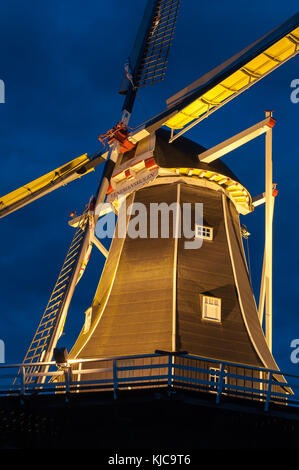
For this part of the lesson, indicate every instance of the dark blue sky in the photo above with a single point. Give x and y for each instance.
(62, 63)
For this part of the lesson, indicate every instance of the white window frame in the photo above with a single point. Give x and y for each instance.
(204, 232)
(215, 304)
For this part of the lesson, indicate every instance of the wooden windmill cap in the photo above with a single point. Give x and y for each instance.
(183, 152)
(181, 156)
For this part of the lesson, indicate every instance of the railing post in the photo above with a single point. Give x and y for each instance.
(169, 370)
(268, 397)
(220, 383)
(78, 376)
(23, 381)
(68, 381)
(115, 382)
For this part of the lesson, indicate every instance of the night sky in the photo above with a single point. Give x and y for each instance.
(62, 63)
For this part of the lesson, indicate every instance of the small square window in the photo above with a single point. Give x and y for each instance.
(201, 231)
(211, 308)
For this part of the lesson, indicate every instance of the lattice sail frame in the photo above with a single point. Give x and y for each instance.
(155, 57)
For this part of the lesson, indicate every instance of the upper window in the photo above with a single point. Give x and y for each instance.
(201, 231)
(211, 308)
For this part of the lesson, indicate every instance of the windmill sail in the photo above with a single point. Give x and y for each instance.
(228, 80)
(149, 56)
(47, 183)
(154, 61)
(148, 60)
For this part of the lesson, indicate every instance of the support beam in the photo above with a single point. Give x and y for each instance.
(261, 198)
(261, 306)
(99, 245)
(237, 140)
(105, 181)
(258, 200)
(268, 237)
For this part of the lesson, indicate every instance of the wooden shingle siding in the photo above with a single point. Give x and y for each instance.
(138, 315)
(247, 301)
(137, 318)
(102, 294)
(208, 270)
(150, 291)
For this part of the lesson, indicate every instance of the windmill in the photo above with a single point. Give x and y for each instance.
(188, 297)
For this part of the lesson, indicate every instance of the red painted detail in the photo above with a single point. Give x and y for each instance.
(110, 189)
(274, 190)
(120, 134)
(128, 174)
(271, 122)
(150, 163)
(125, 146)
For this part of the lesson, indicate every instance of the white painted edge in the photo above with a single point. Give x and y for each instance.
(175, 259)
(224, 206)
(236, 141)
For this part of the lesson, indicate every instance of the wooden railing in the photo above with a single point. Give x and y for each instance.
(168, 370)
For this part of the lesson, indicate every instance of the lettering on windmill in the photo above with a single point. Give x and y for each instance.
(2, 351)
(2, 92)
